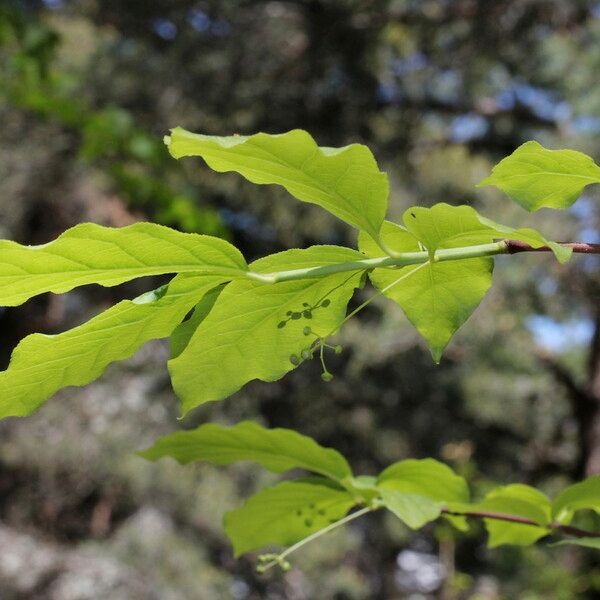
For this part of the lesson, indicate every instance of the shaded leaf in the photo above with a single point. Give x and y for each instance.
(411, 509)
(286, 513)
(516, 500)
(425, 477)
(278, 450)
(588, 542)
(182, 334)
(579, 496)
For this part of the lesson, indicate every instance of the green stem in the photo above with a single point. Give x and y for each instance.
(317, 534)
(374, 296)
(400, 260)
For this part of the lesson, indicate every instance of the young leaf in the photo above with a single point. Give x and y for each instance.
(425, 477)
(437, 297)
(91, 253)
(278, 450)
(446, 226)
(42, 364)
(536, 177)
(345, 181)
(286, 513)
(412, 509)
(258, 330)
(582, 495)
(519, 500)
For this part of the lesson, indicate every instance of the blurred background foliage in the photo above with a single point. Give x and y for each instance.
(440, 90)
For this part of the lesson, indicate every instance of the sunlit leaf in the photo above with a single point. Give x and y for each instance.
(91, 253)
(536, 177)
(42, 364)
(260, 330)
(436, 297)
(345, 181)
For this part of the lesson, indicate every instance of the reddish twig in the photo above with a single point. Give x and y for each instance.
(516, 246)
(568, 529)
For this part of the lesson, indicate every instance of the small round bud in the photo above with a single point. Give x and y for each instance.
(338, 349)
(327, 376)
(326, 303)
(306, 355)
(307, 314)
(281, 324)
(307, 330)
(295, 315)
(294, 360)
(285, 565)
(289, 313)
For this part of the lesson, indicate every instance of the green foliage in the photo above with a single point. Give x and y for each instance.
(90, 253)
(416, 491)
(536, 177)
(584, 495)
(42, 364)
(344, 181)
(231, 323)
(518, 500)
(278, 450)
(258, 330)
(437, 297)
(286, 513)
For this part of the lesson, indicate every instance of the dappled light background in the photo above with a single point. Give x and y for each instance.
(440, 90)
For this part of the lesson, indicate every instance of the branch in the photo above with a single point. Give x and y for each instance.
(402, 259)
(567, 529)
(516, 246)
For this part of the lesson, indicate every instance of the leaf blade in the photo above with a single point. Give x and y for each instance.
(535, 177)
(277, 449)
(243, 339)
(437, 298)
(286, 513)
(345, 181)
(42, 364)
(90, 253)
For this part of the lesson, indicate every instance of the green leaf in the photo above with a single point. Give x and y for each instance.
(412, 509)
(589, 542)
(518, 500)
(286, 513)
(42, 364)
(345, 181)
(182, 334)
(257, 330)
(446, 226)
(579, 496)
(437, 297)
(91, 253)
(535, 177)
(425, 477)
(278, 450)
